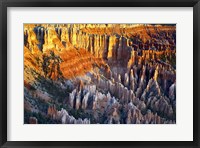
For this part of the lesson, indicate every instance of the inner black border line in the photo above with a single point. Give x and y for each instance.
(89, 23)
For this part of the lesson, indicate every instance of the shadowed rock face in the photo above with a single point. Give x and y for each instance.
(100, 73)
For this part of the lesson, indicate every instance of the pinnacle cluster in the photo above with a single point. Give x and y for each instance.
(99, 74)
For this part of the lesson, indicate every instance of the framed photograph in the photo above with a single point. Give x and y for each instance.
(104, 73)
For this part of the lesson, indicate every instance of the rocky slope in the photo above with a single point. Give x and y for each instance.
(99, 73)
